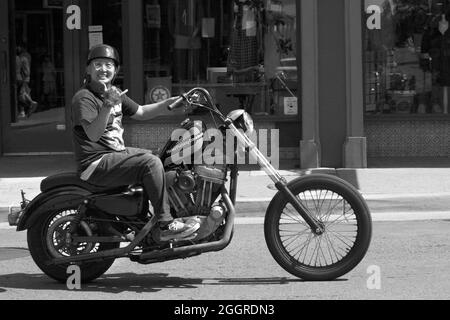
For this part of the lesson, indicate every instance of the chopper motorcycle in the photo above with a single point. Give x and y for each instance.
(317, 227)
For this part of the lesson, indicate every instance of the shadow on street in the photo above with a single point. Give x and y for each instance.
(131, 282)
(13, 253)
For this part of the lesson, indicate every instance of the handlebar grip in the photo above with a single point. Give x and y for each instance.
(176, 104)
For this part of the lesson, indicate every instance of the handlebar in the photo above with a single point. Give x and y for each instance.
(177, 103)
(187, 98)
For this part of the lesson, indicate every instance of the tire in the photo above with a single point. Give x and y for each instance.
(346, 209)
(42, 251)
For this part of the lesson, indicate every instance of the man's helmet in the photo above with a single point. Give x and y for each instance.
(104, 51)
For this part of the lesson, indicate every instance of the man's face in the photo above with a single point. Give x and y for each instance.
(102, 70)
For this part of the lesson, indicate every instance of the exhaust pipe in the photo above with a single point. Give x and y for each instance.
(159, 256)
(174, 253)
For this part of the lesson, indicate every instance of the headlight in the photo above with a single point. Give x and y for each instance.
(249, 125)
(243, 121)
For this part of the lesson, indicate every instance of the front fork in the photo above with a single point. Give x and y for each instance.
(280, 182)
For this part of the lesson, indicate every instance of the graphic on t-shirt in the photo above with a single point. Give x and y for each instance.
(114, 130)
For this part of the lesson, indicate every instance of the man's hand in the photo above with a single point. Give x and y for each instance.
(113, 96)
(186, 109)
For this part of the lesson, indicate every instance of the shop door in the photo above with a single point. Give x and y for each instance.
(34, 123)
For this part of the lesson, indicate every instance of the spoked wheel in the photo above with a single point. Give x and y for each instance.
(341, 211)
(49, 238)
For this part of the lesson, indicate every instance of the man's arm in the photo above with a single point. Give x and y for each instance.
(154, 110)
(96, 128)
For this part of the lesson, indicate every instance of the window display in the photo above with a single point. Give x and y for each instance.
(244, 51)
(407, 61)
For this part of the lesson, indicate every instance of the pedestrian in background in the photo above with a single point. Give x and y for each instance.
(23, 77)
(49, 82)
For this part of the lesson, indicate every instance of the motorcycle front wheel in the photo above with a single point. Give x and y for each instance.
(47, 240)
(341, 210)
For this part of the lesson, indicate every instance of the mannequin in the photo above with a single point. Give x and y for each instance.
(443, 28)
(185, 18)
(436, 47)
(245, 48)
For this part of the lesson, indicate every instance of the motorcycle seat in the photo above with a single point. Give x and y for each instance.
(70, 179)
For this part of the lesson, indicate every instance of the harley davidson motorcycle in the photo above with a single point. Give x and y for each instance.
(317, 227)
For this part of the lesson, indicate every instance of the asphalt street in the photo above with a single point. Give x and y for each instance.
(410, 258)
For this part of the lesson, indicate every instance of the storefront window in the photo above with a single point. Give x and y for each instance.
(38, 91)
(407, 61)
(243, 51)
(107, 14)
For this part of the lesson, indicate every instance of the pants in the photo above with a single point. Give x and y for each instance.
(136, 166)
(24, 96)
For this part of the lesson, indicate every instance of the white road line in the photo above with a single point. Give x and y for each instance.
(376, 217)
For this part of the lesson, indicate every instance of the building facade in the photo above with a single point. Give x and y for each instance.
(406, 76)
(315, 70)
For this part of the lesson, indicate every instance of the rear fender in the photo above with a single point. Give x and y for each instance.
(48, 201)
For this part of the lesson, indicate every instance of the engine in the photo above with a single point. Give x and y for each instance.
(193, 192)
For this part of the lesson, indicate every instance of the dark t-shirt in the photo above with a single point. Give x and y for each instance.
(86, 105)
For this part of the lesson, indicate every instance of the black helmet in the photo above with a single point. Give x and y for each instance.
(104, 51)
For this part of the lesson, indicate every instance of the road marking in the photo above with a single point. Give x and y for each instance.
(376, 217)
(367, 197)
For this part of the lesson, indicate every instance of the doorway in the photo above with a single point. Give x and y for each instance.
(35, 123)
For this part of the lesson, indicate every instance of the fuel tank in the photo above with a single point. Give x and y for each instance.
(185, 143)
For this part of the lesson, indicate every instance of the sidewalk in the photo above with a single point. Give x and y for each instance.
(392, 190)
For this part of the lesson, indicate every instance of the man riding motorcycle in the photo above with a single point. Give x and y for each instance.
(101, 156)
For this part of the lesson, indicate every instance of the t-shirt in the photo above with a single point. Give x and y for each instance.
(86, 105)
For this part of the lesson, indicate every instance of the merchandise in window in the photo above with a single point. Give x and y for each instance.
(243, 51)
(407, 61)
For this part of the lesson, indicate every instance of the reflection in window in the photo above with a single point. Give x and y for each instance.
(38, 89)
(108, 15)
(407, 62)
(239, 49)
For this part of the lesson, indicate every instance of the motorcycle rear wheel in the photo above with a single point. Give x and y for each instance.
(46, 241)
(346, 219)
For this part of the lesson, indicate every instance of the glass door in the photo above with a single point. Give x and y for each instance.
(34, 119)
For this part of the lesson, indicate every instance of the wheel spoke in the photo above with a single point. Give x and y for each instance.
(340, 222)
(314, 251)
(340, 238)
(338, 257)
(291, 218)
(293, 253)
(328, 241)
(328, 213)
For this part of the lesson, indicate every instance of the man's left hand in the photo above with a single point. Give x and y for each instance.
(185, 109)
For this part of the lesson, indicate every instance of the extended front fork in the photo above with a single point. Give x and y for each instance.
(281, 184)
(316, 226)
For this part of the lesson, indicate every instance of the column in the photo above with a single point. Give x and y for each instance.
(76, 49)
(310, 143)
(133, 48)
(355, 146)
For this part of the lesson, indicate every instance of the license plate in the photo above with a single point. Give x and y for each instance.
(15, 213)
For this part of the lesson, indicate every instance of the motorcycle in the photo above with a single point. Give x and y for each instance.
(317, 227)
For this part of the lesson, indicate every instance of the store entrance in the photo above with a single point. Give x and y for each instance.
(34, 119)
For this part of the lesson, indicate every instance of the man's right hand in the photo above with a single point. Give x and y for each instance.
(112, 96)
